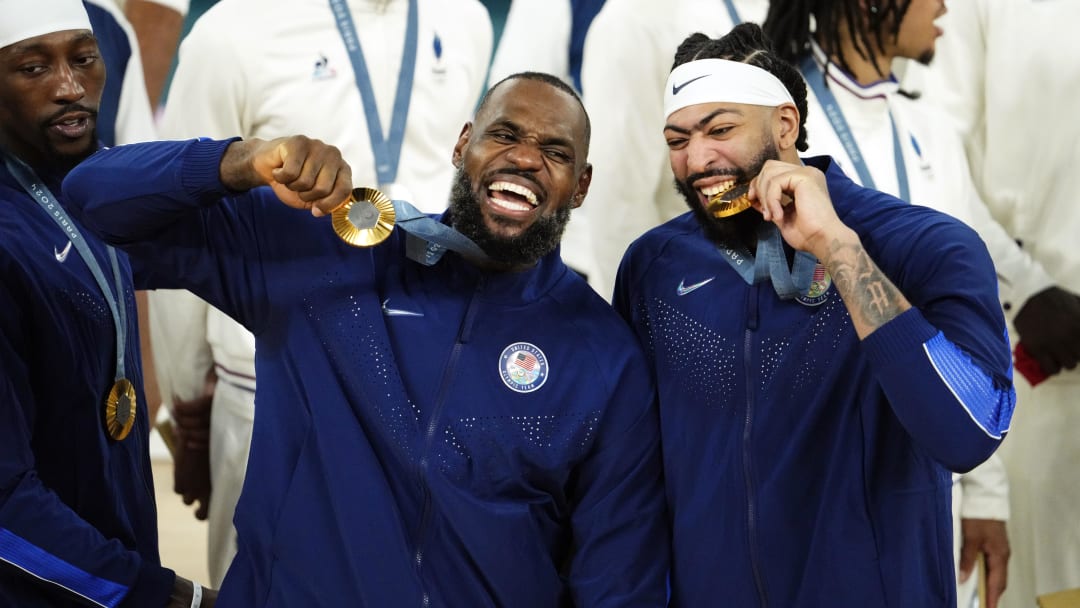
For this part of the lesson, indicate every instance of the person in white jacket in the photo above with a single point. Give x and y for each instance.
(858, 114)
(626, 62)
(1008, 74)
(288, 70)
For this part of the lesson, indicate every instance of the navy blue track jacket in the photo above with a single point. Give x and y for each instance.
(425, 435)
(805, 468)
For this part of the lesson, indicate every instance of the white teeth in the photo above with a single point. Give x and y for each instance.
(516, 189)
(510, 205)
(718, 188)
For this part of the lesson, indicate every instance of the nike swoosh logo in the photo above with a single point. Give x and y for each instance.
(62, 255)
(397, 312)
(684, 289)
(676, 88)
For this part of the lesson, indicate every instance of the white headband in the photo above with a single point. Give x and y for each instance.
(720, 80)
(25, 19)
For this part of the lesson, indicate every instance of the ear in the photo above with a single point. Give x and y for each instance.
(786, 126)
(583, 182)
(459, 147)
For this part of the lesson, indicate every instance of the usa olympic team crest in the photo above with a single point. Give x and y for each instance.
(819, 288)
(523, 367)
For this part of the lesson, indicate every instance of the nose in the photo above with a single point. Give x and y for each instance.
(68, 86)
(699, 155)
(526, 155)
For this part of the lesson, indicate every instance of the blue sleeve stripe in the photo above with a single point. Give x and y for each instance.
(51, 569)
(988, 406)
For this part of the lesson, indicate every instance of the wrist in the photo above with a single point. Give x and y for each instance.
(236, 171)
(185, 594)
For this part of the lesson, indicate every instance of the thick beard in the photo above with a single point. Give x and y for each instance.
(538, 240)
(738, 229)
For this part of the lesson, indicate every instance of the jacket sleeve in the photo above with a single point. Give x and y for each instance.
(1020, 276)
(620, 543)
(181, 228)
(39, 534)
(945, 364)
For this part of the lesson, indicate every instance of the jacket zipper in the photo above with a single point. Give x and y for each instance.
(449, 372)
(751, 512)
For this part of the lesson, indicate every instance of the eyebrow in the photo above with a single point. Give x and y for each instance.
(550, 141)
(704, 121)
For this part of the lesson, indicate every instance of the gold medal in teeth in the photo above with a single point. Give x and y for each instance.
(729, 202)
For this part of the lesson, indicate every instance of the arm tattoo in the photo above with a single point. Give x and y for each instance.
(866, 291)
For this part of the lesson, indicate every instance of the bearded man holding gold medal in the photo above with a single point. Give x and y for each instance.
(825, 354)
(448, 415)
(78, 523)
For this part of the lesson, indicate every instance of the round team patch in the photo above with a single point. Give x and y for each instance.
(523, 367)
(819, 288)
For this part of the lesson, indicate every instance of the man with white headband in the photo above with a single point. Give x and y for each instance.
(826, 354)
(78, 524)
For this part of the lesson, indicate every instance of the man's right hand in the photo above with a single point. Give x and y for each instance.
(1049, 328)
(304, 173)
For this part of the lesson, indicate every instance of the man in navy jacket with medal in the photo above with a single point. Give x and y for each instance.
(449, 418)
(78, 523)
(825, 354)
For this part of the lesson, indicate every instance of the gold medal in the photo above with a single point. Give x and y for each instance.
(729, 202)
(120, 408)
(366, 219)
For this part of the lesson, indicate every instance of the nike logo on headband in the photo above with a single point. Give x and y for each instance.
(676, 88)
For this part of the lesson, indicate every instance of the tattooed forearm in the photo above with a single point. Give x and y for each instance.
(870, 297)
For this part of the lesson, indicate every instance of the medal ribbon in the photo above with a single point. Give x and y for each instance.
(816, 79)
(429, 238)
(387, 150)
(40, 193)
(771, 263)
(735, 19)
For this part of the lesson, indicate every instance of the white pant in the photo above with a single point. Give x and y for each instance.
(230, 440)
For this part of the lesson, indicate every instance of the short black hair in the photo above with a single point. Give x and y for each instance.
(788, 24)
(747, 43)
(546, 78)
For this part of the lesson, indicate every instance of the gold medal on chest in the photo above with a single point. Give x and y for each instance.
(120, 407)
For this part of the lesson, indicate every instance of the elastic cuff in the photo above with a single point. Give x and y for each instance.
(200, 174)
(152, 587)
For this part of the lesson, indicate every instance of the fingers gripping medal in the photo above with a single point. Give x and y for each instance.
(729, 202)
(365, 219)
(120, 409)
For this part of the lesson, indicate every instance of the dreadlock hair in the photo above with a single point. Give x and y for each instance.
(747, 43)
(869, 23)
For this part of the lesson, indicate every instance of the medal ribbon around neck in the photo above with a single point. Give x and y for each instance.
(733, 12)
(120, 405)
(771, 263)
(387, 150)
(816, 79)
(367, 218)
